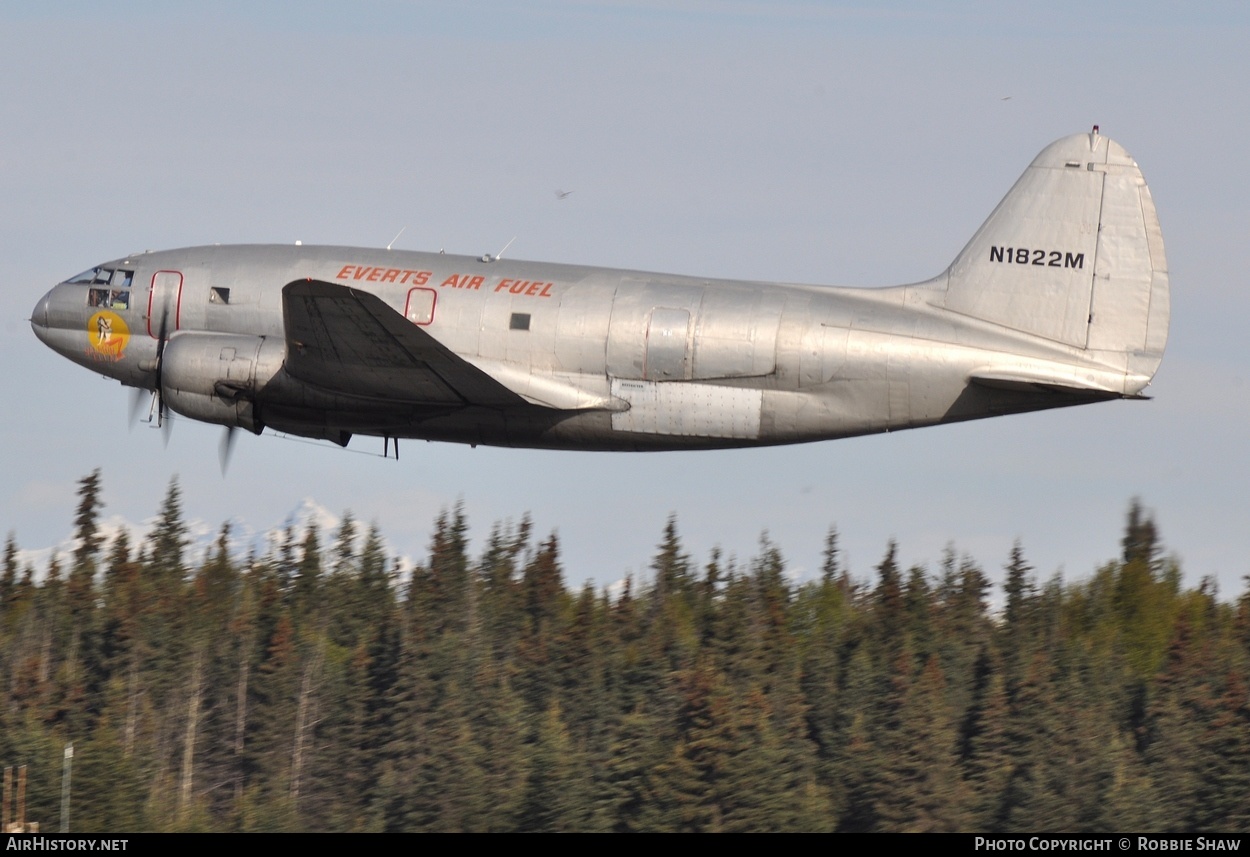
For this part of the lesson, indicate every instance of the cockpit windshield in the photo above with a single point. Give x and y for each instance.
(118, 278)
(112, 286)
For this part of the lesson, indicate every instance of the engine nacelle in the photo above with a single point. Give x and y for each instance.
(214, 377)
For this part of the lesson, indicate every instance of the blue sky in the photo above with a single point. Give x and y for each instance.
(836, 143)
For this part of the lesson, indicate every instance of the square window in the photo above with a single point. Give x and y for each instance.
(218, 295)
(520, 321)
(115, 298)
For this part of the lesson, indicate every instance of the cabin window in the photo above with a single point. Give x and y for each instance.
(520, 321)
(218, 295)
(420, 308)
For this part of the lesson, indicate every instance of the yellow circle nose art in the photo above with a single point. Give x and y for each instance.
(108, 334)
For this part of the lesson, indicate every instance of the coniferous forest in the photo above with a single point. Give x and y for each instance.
(316, 688)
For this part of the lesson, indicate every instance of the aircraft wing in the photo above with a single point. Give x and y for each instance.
(351, 341)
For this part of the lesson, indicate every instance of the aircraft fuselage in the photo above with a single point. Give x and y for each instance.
(334, 341)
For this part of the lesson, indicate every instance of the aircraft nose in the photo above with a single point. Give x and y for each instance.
(39, 317)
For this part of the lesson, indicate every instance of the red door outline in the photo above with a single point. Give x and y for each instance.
(165, 294)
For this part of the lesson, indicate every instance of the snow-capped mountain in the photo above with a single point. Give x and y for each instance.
(244, 539)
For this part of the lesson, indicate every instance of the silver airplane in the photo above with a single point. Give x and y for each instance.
(1061, 298)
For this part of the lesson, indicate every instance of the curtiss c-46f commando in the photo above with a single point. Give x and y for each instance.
(1061, 298)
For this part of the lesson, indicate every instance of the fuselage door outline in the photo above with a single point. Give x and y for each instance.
(164, 299)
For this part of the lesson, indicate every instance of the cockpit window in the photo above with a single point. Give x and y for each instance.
(118, 278)
(110, 298)
(113, 287)
(86, 276)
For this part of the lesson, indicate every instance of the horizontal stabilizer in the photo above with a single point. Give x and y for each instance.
(1026, 382)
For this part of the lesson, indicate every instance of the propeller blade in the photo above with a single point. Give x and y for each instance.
(161, 341)
(225, 448)
(136, 402)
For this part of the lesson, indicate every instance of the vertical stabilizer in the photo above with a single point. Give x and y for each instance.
(1073, 254)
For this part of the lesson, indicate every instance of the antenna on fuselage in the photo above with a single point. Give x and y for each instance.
(396, 238)
(489, 258)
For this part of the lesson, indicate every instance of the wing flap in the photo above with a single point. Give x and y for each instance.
(561, 392)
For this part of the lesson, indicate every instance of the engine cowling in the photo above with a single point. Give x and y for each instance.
(214, 377)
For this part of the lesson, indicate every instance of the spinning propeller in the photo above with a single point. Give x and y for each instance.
(158, 410)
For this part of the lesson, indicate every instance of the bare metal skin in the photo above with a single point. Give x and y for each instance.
(1061, 298)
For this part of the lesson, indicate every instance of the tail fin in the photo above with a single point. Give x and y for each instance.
(1073, 254)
